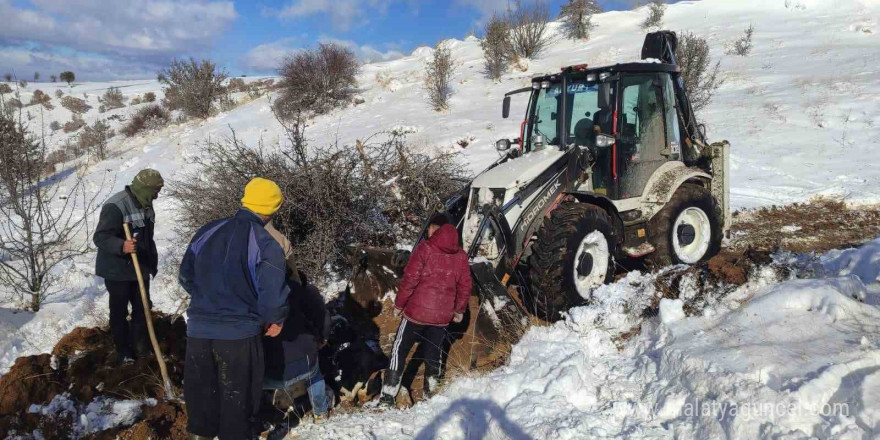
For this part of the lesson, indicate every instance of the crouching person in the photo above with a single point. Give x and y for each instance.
(292, 357)
(234, 272)
(434, 291)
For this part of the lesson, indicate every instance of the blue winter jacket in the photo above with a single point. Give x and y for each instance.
(234, 271)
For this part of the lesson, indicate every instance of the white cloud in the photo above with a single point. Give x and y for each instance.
(486, 7)
(267, 56)
(342, 14)
(157, 28)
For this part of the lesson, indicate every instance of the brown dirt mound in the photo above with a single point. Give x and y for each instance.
(167, 420)
(84, 364)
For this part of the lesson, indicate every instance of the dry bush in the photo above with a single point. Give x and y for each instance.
(59, 93)
(577, 16)
(373, 193)
(55, 126)
(318, 80)
(149, 97)
(743, 46)
(41, 98)
(54, 78)
(699, 75)
(22, 84)
(438, 77)
(236, 85)
(112, 99)
(54, 158)
(4, 89)
(192, 86)
(136, 100)
(497, 50)
(528, 28)
(75, 105)
(75, 123)
(94, 139)
(149, 117)
(384, 79)
(656, 11)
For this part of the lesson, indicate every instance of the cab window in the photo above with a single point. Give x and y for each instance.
(642, 145)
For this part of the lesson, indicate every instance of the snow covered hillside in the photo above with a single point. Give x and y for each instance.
(801, 112)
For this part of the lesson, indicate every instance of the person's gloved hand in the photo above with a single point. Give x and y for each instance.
(456, 318)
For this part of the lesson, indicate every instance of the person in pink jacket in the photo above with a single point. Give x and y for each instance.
(434, 291)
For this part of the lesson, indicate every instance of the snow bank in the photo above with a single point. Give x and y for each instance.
(101, 414)
(800, 359)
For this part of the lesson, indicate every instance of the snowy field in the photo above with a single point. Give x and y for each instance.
(800, 112)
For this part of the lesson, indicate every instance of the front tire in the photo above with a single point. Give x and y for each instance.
(573, 255)
(687, 230)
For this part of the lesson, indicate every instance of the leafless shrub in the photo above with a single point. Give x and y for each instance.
(14, 103)
(192, 86)
(75, 123)
(41, 222)
(59, 93)
(149, 97)
(371, 193)
(496, 46)
(319, 80)
(4, 89)
(743, 46)
(112, 99)
(55, 126)
(577, 16)
(528, 28)
(22, 84)
(75, 105)
(148, 117)
(136, 100)
(384, 79)
(656, 11)
(94, 139)
(699, 75)
(236, 85)
(41, 98)
(438, 76)
(54, 78)
(53, 159)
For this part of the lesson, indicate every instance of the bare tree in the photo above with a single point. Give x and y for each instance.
(7, 77)
(577, 16)
(497, 50)
(94, 139)
(528, 28)
(36, 76)
(438, 77)
(700, 77)
(318, 80)
(68, 77)
(53, 78)
(656, 11)
(192, 86)
(42, 223)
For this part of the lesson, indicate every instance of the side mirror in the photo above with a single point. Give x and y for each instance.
(604, 141)
(502, 144)
(505, 107)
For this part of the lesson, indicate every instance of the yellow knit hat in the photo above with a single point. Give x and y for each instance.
(262, 196)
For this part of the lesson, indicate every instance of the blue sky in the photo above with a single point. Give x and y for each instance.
(116, 39)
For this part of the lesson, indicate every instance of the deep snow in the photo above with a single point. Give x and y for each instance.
(800, 113)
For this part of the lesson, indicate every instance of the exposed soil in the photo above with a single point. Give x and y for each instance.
(818, 226)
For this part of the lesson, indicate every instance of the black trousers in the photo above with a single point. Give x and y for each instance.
(430, 339)
(222, 384)
(127, 335)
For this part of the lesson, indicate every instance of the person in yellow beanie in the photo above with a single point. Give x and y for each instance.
(234, 272)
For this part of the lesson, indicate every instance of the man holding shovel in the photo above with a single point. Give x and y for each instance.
(234, 272)
(134, 206)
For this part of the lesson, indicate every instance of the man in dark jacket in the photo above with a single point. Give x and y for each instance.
(234, 271)
(133, 205)
(434, 291)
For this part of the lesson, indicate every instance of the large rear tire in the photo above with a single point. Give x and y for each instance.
(687, 230)
(572, 256)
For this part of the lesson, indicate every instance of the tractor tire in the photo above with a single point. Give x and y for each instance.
(572, 256)
(687, 230)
